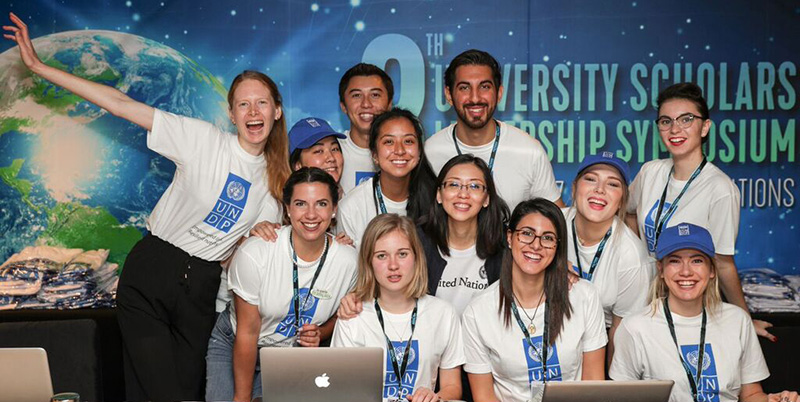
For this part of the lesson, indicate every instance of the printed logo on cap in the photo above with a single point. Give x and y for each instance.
(607, 154)
(683, 230)
(313, 122)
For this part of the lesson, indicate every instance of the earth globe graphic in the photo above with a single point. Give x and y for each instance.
(73, 175)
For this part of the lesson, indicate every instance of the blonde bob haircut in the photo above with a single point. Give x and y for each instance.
(367, 287)
(712, 298)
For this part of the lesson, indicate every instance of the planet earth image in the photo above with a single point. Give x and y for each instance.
(72, 174)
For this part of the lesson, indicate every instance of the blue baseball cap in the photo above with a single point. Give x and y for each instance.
(683, 236)
(308, 131)
(607, 158)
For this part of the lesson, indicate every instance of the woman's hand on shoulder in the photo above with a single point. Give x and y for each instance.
(19, 34)
(344, 239)
(571, 275)
(350, 307)
(785, 396)
(266, 230)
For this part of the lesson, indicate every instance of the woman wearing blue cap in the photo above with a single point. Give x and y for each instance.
(687, 312)
(602, 249)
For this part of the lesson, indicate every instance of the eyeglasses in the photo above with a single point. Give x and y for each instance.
(454, 187)
(684, 121)
(528, 236)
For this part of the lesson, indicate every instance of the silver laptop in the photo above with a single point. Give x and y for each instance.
(608, 391)
(24, 375)
(321, 374)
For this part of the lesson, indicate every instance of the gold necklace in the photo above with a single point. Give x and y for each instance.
(531, 326)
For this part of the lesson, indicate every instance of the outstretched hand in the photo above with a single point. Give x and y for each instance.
(19, 34)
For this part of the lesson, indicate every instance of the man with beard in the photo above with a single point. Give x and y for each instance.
(518, 162)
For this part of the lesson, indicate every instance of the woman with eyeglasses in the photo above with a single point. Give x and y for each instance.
(709, 348)
(421, 334)
(688, 188)
(602, 249)
(404, 183)
(530, 327)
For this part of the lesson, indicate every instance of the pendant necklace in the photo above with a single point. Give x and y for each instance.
(531, 326)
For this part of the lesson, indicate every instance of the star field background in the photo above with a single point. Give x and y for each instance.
(305, 46)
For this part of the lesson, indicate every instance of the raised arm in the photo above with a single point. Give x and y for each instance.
(106, 97)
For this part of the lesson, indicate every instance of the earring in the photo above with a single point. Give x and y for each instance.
(333, 215)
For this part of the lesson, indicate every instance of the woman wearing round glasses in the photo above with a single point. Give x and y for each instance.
(530, 306)
(404, 183)
(688, 188)
(687, 312)
(601, 248)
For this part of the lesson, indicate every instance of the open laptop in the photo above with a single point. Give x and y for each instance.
(608, 391)
(322, 374)
(24, 375)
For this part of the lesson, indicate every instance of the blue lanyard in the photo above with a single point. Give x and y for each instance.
(494, 146)
(377, 195)
(672, 208)
(399, 371)
(545, 336)
(597, 254)
(296, 289)
(693, 382)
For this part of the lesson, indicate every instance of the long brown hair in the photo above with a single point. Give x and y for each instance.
(556, 283)
(276, 150)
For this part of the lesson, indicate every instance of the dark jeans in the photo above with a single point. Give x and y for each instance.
(165, 303)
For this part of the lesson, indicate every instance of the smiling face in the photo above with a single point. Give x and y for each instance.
(310, 210)
(324, 154)
(474, 95)
(393, 262)
(253, 111)
(683, 141)
(461, 203)
(599, 192)
(397, 150)
(364, 98)
(686, 273)
(531, 259)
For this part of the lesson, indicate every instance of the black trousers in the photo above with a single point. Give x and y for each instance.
(165, 303)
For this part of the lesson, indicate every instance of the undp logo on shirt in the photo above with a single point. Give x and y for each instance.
(230, 205)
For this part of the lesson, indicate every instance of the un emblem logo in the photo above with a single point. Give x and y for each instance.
(693, 356)
(482, 272)
(535, 352)
(399, 350)
(235, 191)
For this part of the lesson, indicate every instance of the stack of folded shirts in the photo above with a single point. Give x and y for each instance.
(50, 277)
(766, 291)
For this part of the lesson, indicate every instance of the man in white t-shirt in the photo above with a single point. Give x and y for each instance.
(365, 91)
(518, 161)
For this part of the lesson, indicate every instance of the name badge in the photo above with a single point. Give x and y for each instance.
(321, 294)
(537, 391)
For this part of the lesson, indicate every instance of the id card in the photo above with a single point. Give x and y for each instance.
(537, 391)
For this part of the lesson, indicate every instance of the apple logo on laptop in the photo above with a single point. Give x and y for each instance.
(322, 381)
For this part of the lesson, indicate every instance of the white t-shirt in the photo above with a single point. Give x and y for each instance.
(644, 350)
(261, 274)
(623, 274)
(712, 201)
(492, 347)
(218, 192)
(463, 277)
(521, 168)
(358, 164)
(357, 209)
(437, 342)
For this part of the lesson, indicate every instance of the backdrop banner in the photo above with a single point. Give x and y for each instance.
(580, 76)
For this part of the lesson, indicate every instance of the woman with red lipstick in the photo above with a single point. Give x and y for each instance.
(507, 326)
(602, 249)
(709, 348)
(421, 334)
(283, 290)
(688, 188)
(405, 182)
(221, 187)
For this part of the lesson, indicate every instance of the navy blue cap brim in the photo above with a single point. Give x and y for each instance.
(608, 162)
(684, 245)
(310, 141)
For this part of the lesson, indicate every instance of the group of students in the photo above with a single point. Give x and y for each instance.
(457, 257)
